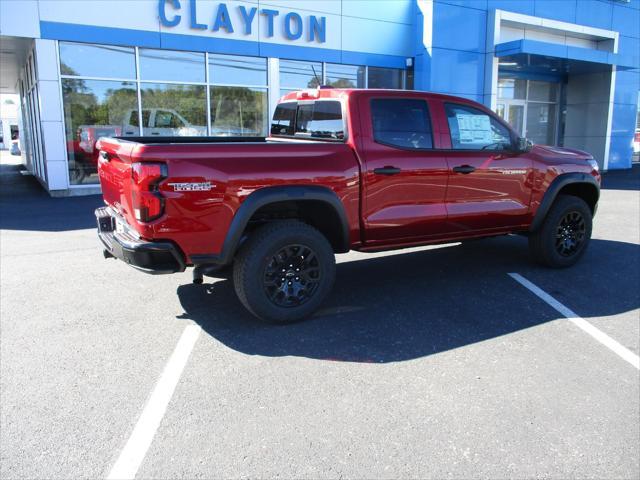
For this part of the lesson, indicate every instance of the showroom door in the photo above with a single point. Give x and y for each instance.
(513, 111)
(531, 108)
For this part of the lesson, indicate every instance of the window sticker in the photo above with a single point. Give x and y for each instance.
(474, 128)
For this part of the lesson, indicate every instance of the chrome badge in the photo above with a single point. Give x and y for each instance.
(192, 186)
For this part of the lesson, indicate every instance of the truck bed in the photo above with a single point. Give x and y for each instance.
(151, 140)
(219, 174)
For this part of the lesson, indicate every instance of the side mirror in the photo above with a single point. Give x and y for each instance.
(523, 145)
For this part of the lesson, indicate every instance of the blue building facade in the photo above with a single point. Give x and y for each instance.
(579, 58)
(562, 72)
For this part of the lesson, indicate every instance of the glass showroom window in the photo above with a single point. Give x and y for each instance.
(173, 93)
(530, 107)
(169, 65)
(385, 78)
(296, 75)
(94, 108)
(345, 76)
(238, 95)
(106, 61)
(173, 110)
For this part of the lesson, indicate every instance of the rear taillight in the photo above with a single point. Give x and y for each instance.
(148, 203)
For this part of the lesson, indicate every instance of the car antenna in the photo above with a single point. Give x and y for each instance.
(316, 75)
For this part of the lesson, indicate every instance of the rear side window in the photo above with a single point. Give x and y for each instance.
(317, 120)
(473, 129)
(402, 122)
(284, 119)
(320, 120)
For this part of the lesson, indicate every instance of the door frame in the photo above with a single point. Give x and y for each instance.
(507, 102)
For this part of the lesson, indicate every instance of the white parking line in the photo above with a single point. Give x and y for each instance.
(580, 322)
(140, 440)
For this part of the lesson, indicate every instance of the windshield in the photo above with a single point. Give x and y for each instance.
(317, 120)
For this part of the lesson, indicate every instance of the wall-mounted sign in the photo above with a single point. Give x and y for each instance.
(242, 19)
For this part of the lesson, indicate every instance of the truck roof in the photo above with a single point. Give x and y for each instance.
(338, 93)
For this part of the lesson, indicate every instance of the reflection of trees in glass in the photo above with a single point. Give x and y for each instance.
(342, 83)
(83, 107)
(188, 100)
(70, 85)
(313, 83)
(67, 70)
(238, 111)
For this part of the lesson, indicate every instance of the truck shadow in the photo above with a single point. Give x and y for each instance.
(406, 306)
(622, 179)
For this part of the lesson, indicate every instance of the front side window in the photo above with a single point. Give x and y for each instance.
(401, 122)
(473, 129)
(166, 119)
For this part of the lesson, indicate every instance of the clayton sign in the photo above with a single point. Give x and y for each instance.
(293, 26)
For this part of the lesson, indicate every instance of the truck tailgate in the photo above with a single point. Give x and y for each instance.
(114, 170)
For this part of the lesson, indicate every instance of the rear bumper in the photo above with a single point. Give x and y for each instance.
(148, 257)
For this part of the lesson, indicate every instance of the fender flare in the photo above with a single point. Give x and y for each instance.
(552, 192)
(265, 196)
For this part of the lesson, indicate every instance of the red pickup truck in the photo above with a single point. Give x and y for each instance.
(342, 170)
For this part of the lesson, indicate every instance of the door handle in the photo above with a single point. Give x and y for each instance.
(387, 170)
(464, 169)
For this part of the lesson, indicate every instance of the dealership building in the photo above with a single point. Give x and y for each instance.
(561, 72)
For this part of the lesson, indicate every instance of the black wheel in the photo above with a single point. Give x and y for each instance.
(564, 234)
(284, 271)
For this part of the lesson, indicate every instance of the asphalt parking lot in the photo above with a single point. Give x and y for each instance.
(427, 363)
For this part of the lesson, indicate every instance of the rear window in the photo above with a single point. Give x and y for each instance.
(318, 120)
(402, 122)
(284, 119)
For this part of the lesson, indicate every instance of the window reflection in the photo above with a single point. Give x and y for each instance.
(385, 78)
(345, 76)
(94, 109)
(237, 70)
(320, 119)
(80, 59)
(174, 110)
(171, 65)
(173, 95)
(300, 75)
(238, 111)
(512, 88)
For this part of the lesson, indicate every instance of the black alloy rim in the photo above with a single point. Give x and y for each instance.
(570, 234)
(292, 276)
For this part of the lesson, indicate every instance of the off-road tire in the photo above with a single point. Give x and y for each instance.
(256, 258)
(547, 245)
